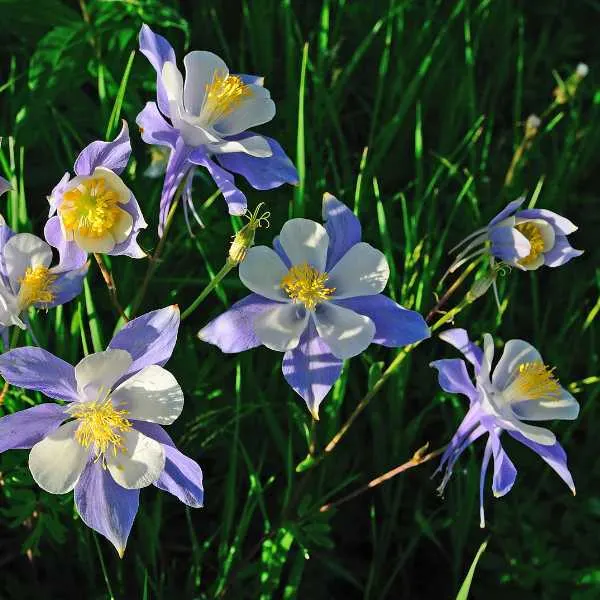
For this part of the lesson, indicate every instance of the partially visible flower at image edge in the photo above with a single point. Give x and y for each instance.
(106, 442)
(520, 388)
(210, 112)
(26, 278)
(316, 297)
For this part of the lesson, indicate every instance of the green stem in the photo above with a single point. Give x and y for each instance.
(229, 264)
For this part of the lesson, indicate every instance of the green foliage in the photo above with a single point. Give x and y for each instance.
(410, 112)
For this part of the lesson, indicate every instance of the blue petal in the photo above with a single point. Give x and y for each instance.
(562, 252)
(395, 326)
(484, 467)
(554, 455)
(507, 211)
(262, 173)
(236, 200)
(561, 224)
(311, 369)
(110, 155)
(71, 256)
(505, 472)
(36, 369)
(24, 429)
(459, 338)
(342, 226)
(454, 378)
(149, 338)
(158, 51)
(154, 128)
(67, 286)
(182, 476)
(105, 506)
(233, 331)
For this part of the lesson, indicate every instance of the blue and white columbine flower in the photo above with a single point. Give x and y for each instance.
(316, 297)
(526, 239)
(106, 442)
(27, 279)
(210, 113)
(520, 388)
(95, 211)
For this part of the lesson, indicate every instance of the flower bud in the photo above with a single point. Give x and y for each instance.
(244, 238)
(479, 288)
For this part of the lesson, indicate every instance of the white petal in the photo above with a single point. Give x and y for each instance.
(194, 135)
(540, 435)
(488, 357)
(546, 231)
(564, 407)
(9, 309)
(122, 227)
(362, 271)
(280, 328)
(97, 373)
(58, 460)
(114, 182)
(140, 465)
(532, 265)
(516, 352)
(173, 82)
(151, 395)
(345, 332)
(24, 250)
(262, 271)
(305, 241)
(252, 112)
(101, 245)
(255, 145)
(200, 67)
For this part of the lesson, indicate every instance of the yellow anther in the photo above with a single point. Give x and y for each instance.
(101, 425)
(36, 287)
(91, 209)
(535, 381)
(533, 234)
(223, 95)
(303, 283)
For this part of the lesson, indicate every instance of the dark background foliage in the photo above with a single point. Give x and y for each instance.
(437, 91)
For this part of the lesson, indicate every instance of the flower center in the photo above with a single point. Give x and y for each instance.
(223, 95)
(535, 381)
(305, 284)
(533, 234)
(100, 425)
(91, 209)
(36, 286)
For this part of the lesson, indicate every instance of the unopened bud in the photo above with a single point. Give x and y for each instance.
(582, 70)
(531, 126)
(244, 238)
(479, 288)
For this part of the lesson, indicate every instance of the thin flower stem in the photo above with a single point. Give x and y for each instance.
(154, 259)
(229, 264)
(459, 281)
(110, 284)
(103, 567)
(419, 458)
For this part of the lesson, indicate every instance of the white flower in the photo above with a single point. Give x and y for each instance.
(212, 105)
(304, 291)
(103, 425)
(521, 388)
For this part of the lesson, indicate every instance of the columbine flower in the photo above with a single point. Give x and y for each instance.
(210, 113)
(26, 278)
(520, 388)
(107, 441)
(96, 211)
(316, 298)
(526, 239)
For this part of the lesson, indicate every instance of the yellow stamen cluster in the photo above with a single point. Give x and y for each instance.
(534, 236)
(303, 283)
(36, 287)
(100, 425)
(223, 95)
(535, 381)
(91, 209)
